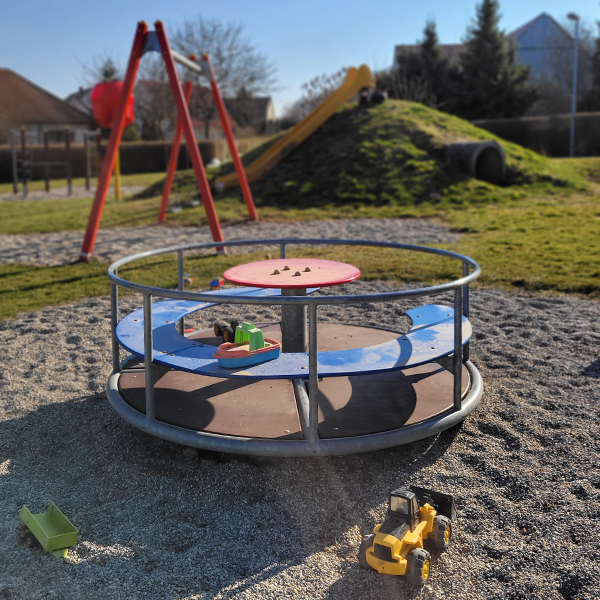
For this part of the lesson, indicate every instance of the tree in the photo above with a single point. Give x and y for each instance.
(588, 69)
(424, 74)
(494, 84)
(591, 97)
(102, 68)
(237, 63)
(555, 83)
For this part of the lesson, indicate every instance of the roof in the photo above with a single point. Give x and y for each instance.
(450, 51)
(453, 51)
(81, 100)
(29, 104)
(521, 31)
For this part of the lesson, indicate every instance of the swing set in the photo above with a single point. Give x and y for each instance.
(157, 41)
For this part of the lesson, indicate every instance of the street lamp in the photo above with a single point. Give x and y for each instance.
(574, 17)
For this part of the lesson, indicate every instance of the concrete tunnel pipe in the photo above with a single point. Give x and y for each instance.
(483, 160)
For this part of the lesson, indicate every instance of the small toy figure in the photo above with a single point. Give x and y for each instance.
(396, 546)
(216, 284)
(250, 348)
(187, 278)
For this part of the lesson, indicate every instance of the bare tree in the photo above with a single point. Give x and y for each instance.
(403, 86)
(555, 85)
(318, 89)
(239, 67)
(155, 109)
(101, 68)
(293, 113)
(561, 56)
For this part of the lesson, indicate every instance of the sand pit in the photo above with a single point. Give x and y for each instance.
(157, 520)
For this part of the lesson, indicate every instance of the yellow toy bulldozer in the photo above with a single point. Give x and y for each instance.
(396, 546)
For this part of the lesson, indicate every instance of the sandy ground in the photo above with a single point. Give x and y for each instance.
(63, 247)
(158, 521)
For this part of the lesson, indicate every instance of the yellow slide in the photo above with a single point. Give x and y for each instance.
(356, 79)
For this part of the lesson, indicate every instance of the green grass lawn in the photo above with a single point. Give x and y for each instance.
(533, 244)
(538, 233)
(44, 216)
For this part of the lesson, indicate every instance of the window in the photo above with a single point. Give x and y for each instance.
(399, 505)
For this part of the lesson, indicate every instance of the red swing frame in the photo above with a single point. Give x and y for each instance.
(145, 41)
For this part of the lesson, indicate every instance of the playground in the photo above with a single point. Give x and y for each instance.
(160, 519)
(149, 511)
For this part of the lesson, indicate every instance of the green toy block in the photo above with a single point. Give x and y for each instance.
(246, 333)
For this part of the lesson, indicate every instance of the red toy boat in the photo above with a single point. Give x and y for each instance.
(250, 348)
(239, 355)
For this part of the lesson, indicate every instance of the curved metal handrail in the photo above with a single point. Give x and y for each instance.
(307, 300)
(307, 404)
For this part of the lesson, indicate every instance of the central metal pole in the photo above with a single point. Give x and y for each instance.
(457, 366)
(180, 285)
(293, 323)
(148, 357)
(114, 319)
(313, 378)
(465, 272)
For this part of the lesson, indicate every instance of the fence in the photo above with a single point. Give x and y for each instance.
(549, 135)
(136, 157)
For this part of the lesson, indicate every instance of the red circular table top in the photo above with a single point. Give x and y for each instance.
(292, 273)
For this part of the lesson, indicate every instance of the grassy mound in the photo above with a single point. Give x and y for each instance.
(394, 155)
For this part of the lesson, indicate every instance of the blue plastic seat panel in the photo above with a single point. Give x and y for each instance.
(165, 314)
(431, 337)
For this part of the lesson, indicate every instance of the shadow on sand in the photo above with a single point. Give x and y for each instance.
(149, 518)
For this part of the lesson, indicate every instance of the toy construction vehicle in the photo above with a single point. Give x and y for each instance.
(226, 330)
(396, 546)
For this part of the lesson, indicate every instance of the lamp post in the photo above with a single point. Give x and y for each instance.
(574, 17)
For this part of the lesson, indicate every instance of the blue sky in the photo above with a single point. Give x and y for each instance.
(47, 41)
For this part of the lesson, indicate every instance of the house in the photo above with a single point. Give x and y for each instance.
(257, 113)
(81, 100)
(156, 114)
(24, 104)
(540, 44)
